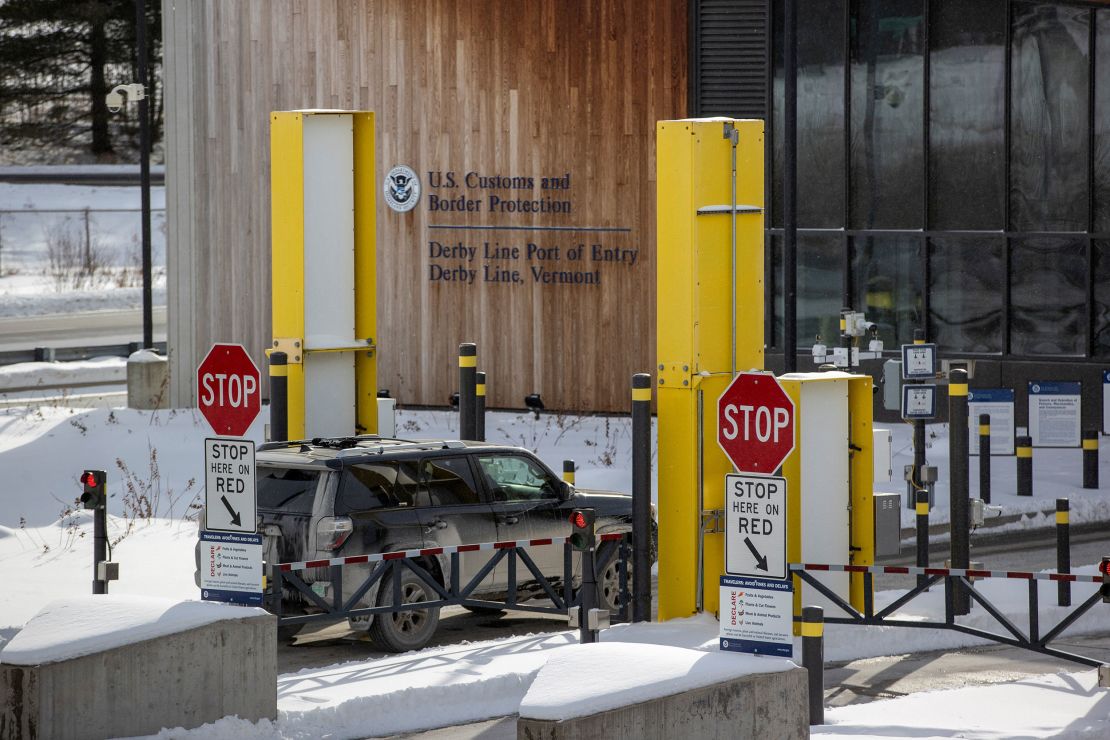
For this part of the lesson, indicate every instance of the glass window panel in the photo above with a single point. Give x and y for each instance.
(286, 489)
(449, 481)
(516, 478)
(1048, 278)
(967, 77)
(820, 288)
(887, 271)
(821, 158)
(966, 292)
(368, 487)
(1102, 122)
(887, 145)
(1049, 117)
(1102, 297)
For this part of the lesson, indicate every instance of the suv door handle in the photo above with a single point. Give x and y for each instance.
(508, 519)
(439, 523)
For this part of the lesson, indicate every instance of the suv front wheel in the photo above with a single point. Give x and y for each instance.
(399, 632)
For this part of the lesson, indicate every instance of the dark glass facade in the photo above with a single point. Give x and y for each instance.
(953, 173)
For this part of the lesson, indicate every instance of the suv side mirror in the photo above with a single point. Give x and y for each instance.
(566, 490)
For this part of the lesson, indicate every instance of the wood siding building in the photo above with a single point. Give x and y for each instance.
(531, 128)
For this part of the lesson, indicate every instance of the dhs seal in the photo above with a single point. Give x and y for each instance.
(402, 188)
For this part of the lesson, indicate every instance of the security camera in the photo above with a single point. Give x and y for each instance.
(114, 101)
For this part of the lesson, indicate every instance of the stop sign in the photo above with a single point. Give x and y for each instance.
(755, 423)
(229, 393)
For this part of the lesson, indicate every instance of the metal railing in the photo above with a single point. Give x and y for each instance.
(390, 566)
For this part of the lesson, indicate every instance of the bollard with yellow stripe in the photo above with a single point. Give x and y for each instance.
(568, 471)
(1025, 466)
(1090, 458)
(813, 660)
(468, 390)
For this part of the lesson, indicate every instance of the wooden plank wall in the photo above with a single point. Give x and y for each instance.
(496, 87)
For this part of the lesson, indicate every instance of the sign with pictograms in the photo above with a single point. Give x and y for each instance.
(231, 567)
(755, 526)
(230, 500)
(229, 391)
(755, 423)
(757, 616)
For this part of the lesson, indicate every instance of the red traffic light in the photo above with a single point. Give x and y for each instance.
(578, 520)
(1104, 567)
(90, 479)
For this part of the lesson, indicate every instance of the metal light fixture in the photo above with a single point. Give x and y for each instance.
(534, 403)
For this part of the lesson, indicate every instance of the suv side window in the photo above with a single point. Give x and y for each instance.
(290, 490)
(369, 487)
(449, 481)
(517, 478)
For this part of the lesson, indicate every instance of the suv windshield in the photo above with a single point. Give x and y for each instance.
(287, 489)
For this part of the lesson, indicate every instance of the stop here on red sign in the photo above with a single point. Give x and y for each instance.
(755, 423)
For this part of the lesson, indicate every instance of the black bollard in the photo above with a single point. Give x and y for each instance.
(958, 452)
(1063, 551)
(985, 458)
(468, 370)
(480, 407)
(813, 658)
(922, 535)
(641, 497)
(1090, 458)
(1025, 466)
(279, 396)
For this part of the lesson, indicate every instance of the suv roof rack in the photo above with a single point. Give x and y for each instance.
(334, 443)
(348, 455)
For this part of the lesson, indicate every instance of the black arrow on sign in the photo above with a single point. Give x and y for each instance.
(235, 521)
(760, 561)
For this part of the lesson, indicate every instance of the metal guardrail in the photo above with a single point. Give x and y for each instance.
(71, 354)
(81, 175)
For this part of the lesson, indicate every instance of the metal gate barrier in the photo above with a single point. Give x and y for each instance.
(956, 578)
(390, 565)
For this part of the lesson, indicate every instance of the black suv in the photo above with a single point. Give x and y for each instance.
(331, 498)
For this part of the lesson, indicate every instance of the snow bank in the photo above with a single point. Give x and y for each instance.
(1067, 705)
(82, 625)
(587, 679)
(31, 374)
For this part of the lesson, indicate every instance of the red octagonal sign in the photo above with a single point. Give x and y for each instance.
(755, 423)
(229, 393)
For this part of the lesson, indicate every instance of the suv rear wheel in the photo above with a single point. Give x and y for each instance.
(608, 578)
(409, 630)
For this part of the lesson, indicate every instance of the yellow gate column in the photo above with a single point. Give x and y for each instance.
(699, 217)
(324, 268)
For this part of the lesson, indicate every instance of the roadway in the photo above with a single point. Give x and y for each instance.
(117, 326)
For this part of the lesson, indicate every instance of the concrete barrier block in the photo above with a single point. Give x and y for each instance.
(147, 380)
(185, 679)
(767, 706)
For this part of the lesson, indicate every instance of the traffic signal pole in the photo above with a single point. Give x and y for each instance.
(95, 497)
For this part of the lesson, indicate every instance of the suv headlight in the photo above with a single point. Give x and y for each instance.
(333, 531)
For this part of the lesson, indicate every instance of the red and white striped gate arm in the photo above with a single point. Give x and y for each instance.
(445, 550)
(965, 572)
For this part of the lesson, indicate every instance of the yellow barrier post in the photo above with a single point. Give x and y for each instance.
(324, 226)
(710, 322)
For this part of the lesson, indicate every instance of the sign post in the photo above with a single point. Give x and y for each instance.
(229, 397)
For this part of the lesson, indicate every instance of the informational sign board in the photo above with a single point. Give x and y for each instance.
(231, 567)
(919, 361)
(919, 401)
(229, 491)
(757, 616)
(755, 522)
(999, 403)
(1105, 402)
(1054, 408)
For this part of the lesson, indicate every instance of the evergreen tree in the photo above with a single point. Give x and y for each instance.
(58, 60)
